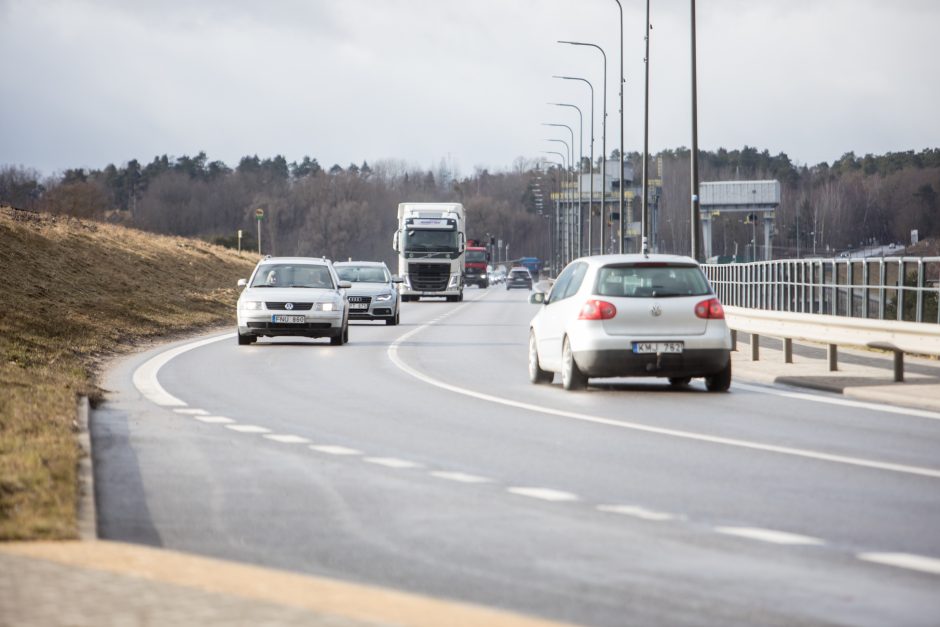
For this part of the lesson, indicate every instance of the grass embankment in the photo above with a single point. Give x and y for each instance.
(73, 293)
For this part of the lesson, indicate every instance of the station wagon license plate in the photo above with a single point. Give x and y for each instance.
(657, 347)
(288, 319)
(358, 305)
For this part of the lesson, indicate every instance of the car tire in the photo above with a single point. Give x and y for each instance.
(342, 338)
(536, 374)
(392, 321)
(244, 340)
(679, 382)
(571, 376)
(721, 380)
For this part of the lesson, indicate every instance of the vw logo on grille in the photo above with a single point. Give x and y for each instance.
(656, 310)
(288, 305)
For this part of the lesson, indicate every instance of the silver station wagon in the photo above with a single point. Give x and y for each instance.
(630, 316)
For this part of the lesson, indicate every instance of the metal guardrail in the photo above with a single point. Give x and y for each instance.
(881, 288)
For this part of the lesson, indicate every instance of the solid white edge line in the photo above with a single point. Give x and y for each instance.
(393, 355)
(844, 402)
(145, 376)
(904, 560)
(769, 535)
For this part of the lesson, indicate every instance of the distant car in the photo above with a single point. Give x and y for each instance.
(519, 277)
(294, 296)
(373, 295)
(630, 315)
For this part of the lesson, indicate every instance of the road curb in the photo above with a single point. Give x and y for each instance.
(87, 518)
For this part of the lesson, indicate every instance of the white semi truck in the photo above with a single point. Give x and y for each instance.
(430, 242)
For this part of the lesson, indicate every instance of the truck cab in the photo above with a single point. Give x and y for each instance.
(431, 243)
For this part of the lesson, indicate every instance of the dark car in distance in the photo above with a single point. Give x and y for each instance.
(519, 277)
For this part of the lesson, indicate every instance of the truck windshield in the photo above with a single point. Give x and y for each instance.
(476, 256)
(417, 240)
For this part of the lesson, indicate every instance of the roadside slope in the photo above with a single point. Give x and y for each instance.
(74, 293)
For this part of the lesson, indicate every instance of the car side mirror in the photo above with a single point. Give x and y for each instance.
(397, 279)
(242, 282)
(344, 285)
(537, 298)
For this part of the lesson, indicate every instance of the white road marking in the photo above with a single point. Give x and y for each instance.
(392, 462)
(334, 450)
(145, 377)
(636, 512)
(248, 428)
(287, 439)
(817, 398)
(192, 412)
(216, 420)
(546, 494)
(460, 477)
(769, 535)
(393, 354)
(904, 560)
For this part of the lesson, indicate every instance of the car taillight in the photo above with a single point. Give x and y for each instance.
(597, 310)
(710, 309)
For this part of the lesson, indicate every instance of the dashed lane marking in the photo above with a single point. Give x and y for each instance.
(287, 439)
(904, 560)
(636, 512)
(215, 420)
(191, 412)
(334, 450)
(769, 535)
(546, 494)
(460, 477)
(392, 462)
(248, 428)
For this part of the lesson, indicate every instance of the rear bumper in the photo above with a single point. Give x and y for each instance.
(625, 363)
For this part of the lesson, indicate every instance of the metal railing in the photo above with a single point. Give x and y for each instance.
(881, 288)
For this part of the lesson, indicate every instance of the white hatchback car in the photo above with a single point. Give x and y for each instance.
(297, 296)
(628, 316)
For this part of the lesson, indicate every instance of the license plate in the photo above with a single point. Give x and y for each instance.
(288, 319)
(657, 347)
(358, 305)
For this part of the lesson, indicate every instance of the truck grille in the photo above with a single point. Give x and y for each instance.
(429, 277)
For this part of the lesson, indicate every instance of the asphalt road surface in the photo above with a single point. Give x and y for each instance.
(419, 457)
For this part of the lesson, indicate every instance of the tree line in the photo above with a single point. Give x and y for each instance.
(351, 212)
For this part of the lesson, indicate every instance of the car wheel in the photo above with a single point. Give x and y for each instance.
(392, 321)
(721, 380)
(571, 377)
(679, 382)
(342, 338)
(244, 340)
(536, 374)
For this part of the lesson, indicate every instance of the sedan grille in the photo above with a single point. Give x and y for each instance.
(293, 307)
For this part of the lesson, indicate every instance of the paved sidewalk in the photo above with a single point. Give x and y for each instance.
(862, 375)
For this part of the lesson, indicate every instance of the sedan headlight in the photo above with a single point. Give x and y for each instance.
(325, 307)
(381, 298)
(251, 305)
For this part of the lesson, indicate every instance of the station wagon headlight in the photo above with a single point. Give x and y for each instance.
(381, 298)
(325, 307)
(252, 305)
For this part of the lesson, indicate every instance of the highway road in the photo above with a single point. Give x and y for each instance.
(420, 458)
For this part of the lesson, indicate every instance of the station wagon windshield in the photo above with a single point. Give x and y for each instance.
(293, 275)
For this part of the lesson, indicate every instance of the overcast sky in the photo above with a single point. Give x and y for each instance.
(91, 82)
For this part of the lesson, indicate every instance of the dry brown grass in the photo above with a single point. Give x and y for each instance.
(74, 292)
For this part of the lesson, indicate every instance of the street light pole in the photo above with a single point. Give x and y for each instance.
(644, 224)
(590, 226)
(558, 224)
(603, 137)
(568, 203)
(622, 80)
(571, 230)
(696, 216)
(578, 233)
